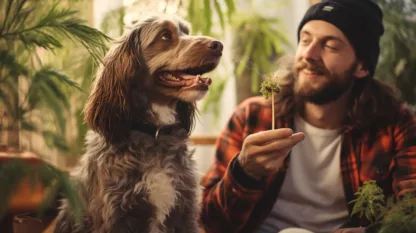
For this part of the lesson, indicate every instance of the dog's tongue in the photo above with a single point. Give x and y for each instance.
(193, 80)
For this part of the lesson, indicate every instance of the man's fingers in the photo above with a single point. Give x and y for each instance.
(279, 145)
(265, 137)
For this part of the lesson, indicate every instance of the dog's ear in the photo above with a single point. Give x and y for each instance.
(108, 108)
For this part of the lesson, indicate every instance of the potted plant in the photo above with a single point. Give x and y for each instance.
(32, 94)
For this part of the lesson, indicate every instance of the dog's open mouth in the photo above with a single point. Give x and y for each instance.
(186, 79)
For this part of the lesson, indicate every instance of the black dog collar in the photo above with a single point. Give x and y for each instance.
(155, 131)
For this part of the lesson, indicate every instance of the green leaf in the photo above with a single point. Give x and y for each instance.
(54, 140)
(63, 23)
(219, 13)
(369, 202)
(77, 204)
(9, 96)
(255, 78)
(22, 17)
(208, 16)
(246, 56)
(230, 8)
(213, 100)
(191, 9)
(11, 66)
(28, 126)
(46, 91)
(7, 9)
(113, 21)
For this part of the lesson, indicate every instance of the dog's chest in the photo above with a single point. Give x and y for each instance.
(169, 184)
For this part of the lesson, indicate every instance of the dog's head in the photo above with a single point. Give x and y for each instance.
(155, 63)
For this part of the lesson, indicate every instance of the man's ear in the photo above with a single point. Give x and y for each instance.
(361, 71)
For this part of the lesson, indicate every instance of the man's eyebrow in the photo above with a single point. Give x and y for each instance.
(326, 38)
(334, 38)
(305, 32)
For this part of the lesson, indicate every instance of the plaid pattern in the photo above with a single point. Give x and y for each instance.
(234, 202)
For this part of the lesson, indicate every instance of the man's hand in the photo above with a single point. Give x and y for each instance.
(351, 230)
(263, 153)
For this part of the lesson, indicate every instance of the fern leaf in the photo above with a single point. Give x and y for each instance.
(219, 13)
(208, 16)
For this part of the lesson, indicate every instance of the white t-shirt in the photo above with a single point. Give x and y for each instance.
(312, 195)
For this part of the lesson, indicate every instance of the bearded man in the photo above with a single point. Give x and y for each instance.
(337, 127)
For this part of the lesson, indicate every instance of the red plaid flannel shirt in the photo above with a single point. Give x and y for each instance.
(234, 202)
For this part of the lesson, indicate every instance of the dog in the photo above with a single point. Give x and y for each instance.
(137, 174)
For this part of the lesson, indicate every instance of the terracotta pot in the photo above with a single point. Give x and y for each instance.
(26, 198)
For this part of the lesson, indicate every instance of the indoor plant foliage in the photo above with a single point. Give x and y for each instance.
(33, 91)
(29, 31)
(391, 216)
(397, 63)
(369, 202)
(258, 42)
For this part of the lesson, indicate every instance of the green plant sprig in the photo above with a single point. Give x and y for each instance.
(268, 88)
(369, 202)
(391, 216)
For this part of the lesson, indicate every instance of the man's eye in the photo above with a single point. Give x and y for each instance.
(305, 41)
(166, 36)
(331, 47)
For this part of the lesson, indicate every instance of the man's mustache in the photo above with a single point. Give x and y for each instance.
(314, 67)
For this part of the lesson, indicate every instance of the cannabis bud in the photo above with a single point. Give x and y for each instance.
(270, 86)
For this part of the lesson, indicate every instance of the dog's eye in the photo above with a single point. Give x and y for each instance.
(166, 36)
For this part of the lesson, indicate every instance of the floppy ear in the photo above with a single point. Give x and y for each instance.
(108, 108)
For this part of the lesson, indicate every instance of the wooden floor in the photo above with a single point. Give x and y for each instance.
(32, 225)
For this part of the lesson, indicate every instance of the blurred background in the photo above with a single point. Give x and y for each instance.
(50, 49)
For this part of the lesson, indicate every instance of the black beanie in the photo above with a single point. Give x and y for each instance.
(361, 21)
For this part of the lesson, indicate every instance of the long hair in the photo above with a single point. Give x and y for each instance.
(108, 109)
(372, 102)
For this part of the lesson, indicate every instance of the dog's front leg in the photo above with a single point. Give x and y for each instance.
(187, 222)
(132, 222)
(65, 221)
(189, 213)
(192, 225)
(128, 213)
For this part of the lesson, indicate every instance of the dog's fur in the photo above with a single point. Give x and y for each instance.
(130, 180)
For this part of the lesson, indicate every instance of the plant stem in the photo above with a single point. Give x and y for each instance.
(272, 110)
(8, 34)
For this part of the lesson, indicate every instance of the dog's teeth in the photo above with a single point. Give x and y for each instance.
(171, 77)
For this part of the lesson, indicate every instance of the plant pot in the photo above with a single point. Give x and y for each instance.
(26, 198)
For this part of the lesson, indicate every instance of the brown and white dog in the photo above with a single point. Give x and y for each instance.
(137, 174)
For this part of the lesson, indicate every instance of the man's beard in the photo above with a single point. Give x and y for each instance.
(333, 89)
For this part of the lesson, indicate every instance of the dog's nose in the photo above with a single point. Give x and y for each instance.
(216, 46)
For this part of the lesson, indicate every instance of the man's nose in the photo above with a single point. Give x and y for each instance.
(312, 52)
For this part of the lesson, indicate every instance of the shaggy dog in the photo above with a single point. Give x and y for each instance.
(137, 174)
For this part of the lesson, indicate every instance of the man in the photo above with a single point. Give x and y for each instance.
(336, 128)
